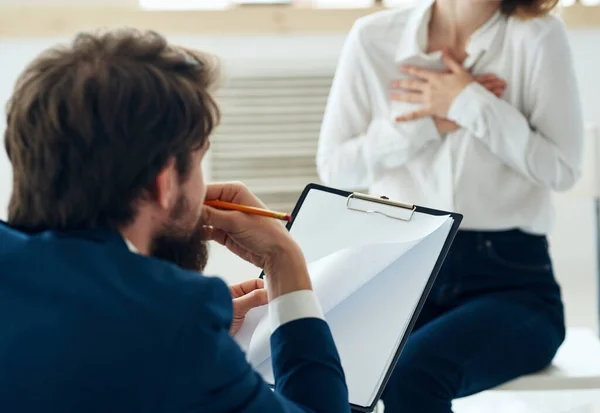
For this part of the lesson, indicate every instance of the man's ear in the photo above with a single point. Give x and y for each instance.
(166, 186)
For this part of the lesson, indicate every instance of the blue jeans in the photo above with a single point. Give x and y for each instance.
(495, 313)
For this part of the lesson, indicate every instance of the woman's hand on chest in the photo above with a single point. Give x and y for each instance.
(436, 91)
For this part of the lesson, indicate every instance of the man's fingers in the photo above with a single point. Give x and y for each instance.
(215, 234)
(211, 218)
(226, 191)
(245, 303)
(257, 298)
(220, 220)
(248, 286)
(235, 192)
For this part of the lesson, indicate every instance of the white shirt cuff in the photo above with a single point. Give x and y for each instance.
(467, 107)
(294, 306)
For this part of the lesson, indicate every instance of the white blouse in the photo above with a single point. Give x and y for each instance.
(500, 168)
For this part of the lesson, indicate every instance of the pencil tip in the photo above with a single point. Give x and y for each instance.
(288, 218)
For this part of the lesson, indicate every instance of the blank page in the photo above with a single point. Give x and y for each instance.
(344, 249)
(369, 272)
(369, 326)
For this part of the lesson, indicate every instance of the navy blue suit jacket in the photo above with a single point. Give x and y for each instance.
(88, 326)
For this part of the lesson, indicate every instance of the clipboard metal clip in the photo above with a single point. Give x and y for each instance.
(384, 201)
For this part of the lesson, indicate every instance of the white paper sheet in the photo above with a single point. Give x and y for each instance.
(335, 277)
(366, 278)
(328, 234)
(369, 325)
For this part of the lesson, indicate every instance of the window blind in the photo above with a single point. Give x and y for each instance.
(268, 135)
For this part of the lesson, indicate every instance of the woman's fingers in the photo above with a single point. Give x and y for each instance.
(412, 97)
(409, 84)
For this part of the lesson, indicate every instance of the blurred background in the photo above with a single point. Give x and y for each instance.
(279, 57)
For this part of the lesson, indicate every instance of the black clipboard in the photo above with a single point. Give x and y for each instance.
(350, 196)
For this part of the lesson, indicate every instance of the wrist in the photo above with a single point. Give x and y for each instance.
(286, 271)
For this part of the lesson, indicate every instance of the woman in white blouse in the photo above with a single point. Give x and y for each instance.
(491, 138)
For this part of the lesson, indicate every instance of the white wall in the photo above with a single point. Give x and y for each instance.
(573, 242)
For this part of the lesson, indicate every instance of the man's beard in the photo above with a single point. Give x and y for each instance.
(181, 244)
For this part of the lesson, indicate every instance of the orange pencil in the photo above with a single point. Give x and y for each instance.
(248, 209)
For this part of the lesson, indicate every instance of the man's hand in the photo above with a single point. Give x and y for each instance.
(246, 296)
(255, 239)
(264, 242)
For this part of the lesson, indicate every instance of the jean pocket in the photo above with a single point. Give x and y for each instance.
(519, 254)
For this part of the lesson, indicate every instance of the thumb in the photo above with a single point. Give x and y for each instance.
(245, 303)
(451, 63)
